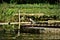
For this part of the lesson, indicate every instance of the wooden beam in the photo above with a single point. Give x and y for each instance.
(25, 22)
(6, 23)
(19, 25)
(39, 14)
(42, 25)
(53, 21)
(49, 22)
(34, 27)
(3, 23)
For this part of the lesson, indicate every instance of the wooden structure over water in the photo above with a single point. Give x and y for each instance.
(28, 25)
(49, 23)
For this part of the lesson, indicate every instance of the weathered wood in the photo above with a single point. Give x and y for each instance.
(43, 22)
(3, 23)
(25, 22)
(50, 21)
(41, 25)
(53, 21)
(19, 24)
(34, 27)
(15, 23)
(39, 14)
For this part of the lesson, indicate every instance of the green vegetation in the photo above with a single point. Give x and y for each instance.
(8, 10)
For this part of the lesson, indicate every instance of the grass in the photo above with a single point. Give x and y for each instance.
(7, 10)
(39, 8)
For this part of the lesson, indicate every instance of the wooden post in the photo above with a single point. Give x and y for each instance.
(19, 25)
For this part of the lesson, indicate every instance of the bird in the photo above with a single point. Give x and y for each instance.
(32, 21)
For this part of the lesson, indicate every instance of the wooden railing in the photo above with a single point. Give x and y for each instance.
(6, 23)
(43, 22)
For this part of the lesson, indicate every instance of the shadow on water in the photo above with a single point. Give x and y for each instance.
(32, 34)
(7, 35)
(31, 31)
(29, 34)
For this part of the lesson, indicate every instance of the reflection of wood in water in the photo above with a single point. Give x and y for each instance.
(40, 36)
(52, 30)
(41, 30)
(48, 33)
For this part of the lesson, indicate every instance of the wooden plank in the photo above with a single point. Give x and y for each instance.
(28, 23)
(39, 14)
(6, 23)
(42, 25)
(25, 22)
(53, 21)
(34, 27)
(3, 23)
(19, 25)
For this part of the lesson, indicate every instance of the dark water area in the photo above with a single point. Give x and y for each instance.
(28, 36)
(49, 33)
